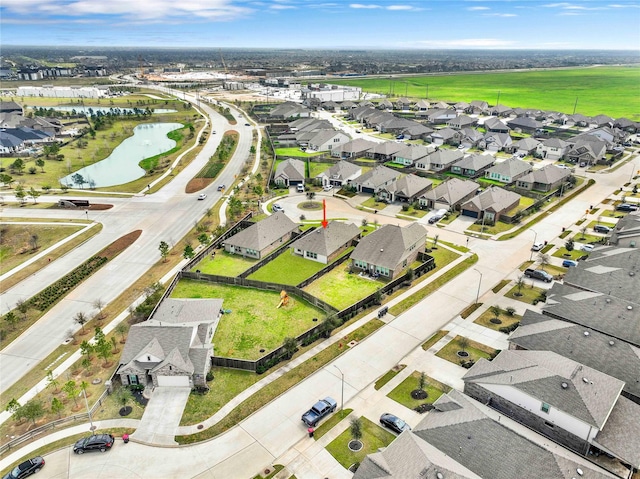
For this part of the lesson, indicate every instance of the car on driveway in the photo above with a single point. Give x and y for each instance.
(25, 469)
(602, 229)
(627, 207)
(202, 196)
(327, 187)
(437, 216)
(96, 442)
(394, 423)
(538, 274)
(569, 263)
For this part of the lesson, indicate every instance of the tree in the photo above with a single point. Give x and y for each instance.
(583, 232)
(23, 307)
(71, 389)
(355, 428)
(496, 310)
(463, 342)
(188, 252)
(99, 304)
(103, 350)
(114, 344)
(12, 319)
(569, 244)
(21, 194)
(40, 164)
(87, 365)
(81, 319)
(78, 179)
(33, 194)
(124, 396)
(6, 179)
(203, 238)
(86, 348)
(408, 277)
(34, 241)
(422, 381)
(164, 250)
(520, 284)
(435, 241)
(52, 382)
(544, 260)
(12, 407)
(83, 387)
(57, 407)
(121, 329)
(17, 166)
(32, 410)
(290, 346)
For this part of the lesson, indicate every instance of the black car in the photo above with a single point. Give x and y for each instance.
(394, 423)
(626, 207)
(538, 274)
(601, 229)
(97, 442)
(26, 468)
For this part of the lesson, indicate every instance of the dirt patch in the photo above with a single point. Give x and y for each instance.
(119, 245)
(197, 184)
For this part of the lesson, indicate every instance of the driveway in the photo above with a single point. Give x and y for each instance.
(162, 416)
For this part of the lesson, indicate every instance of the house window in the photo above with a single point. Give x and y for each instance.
(133, 379)
(545, 407)
(170, 368)
(548, 424)
(149, 358)
(312, 255)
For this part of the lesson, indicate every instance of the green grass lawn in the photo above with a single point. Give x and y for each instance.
(374, 204)
(586, 238)
(373, 438)
(297, 152)
(402, 392)
(498, 228)
(603, 223)
(325, 426)
(476, 351)
(608, 90)
(416, 213)
(388, 376)
(224, 264)
(566, 254)
(434, 339)
(316, 168)
(255, 321)
(485, 320)
(529, 293)
(288, 268)
(341, 289)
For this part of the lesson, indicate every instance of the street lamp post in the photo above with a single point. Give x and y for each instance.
(88, 410)
(342, 388)
(479, 283)
(535, 236)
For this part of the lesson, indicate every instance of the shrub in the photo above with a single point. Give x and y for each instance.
(210, 376)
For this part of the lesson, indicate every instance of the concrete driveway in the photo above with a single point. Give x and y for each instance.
(162, 416)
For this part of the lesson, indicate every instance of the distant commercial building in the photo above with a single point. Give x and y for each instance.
(63, 91)
(325, 92)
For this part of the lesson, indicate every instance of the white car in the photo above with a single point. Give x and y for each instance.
(587, 247)
(537, 246)
(202, 196)
(276, 207)
(327, 187)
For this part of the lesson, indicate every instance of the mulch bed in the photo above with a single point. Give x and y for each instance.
(140, 399)
(419, 394)
(99, 207)
(119, 245)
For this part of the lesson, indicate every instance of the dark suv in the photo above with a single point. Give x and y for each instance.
(601, 229)
(97, 442)
(538, 274)
(25, 468)
(626, 207)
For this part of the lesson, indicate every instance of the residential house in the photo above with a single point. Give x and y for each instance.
(472, 165)
(442, 160)
(626, 234)
(478, 107)
(375, 179)
(607, 134)
(348, 105)
(460, 438)
(330, 106)
(437, 116)
(173, 347)
(447, 136)
(552, 148)
(449, 195)
(441, 105)
(462, 107)
(403, 104)
(585, 150)
(288, 110)
(627, 125)
(571, 403)
(545, 179)
(356, 148)
(538, 332)
(602, 120)
(491, 205)
(525, 146)
(10, 107)
(261, 238)
(493, 125)
(389, 250)
(384, 151)
(508, 171)
(410, 154)
(462, 121)
(471, 137)
(406, 189)
(385, 105)
(327, 140)
(15, 140)
(524, 124)
(579, 119)
(500, 110)
(416, 131)
(289, 172)
(395, 125)
(422, 105)
(325, 244)
(339, 174)
(496, 142)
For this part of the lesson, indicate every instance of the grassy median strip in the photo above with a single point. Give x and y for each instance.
(282, 384)
(419, 295)
(388, 376)
(327, 425)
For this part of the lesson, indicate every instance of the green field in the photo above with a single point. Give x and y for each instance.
(288, 268)
(613, 91)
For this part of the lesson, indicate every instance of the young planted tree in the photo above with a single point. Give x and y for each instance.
(32, 411)
(57, 407)
(121, 329)
(520, 285)
(13, 407)
(52, 382)
(86, 348)
(496, 310)
(103, 350)
(40, 164)
(87, 365)
(114, 345)
(355, 428)
(422, 381)
(81, 319)
(33, 239)
(544, 260)
(23, 307)
(99, 304)
(203, 239)
(71, 389)
(12, 319)
(463, 342)
(33, 194)
(163, 247)
(20, 194)
(188, 252)
(124, 397)
(569, 244)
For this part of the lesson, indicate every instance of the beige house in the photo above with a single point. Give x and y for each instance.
(261, 238)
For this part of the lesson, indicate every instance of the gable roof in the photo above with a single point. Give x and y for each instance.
(527, 144)
(412, 152)
(389, 245)
(357, 145)
(510, 167)
(376, 177)
(326, 241)
(474, 162)
(627, 227)
(524, 122)
(576, 389)
(185, 310)
(325, 135)
(409, 186)
(445, 157)
(263, 233)
(452, 191)
(495, 124)
(387, 148)
(547, 175)
(340, 171)
(493, 198)
(290, 168)
(462, 121)
(555, 143)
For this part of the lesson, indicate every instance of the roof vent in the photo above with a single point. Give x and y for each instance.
(629, 307)
(564, 385)
(381, 250)
(579, 471)
(586, 333)
(611, 343)
(632, 273)
(585, 380)
(439, 475)
(608, 300)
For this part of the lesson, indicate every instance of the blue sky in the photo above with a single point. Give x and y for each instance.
(390, 24)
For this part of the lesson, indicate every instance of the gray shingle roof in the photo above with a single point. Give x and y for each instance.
(621, 433)
(263, 233)
(474, 162)
(326, 241)
(290, 168)
(340, 171)
(412, 152)
(387, 148)
(627, 227)
(452, 191)
(588, 396)
(495, 124)
(357, 145)
(527, 144)
(547, 175)
(389, 245)
(510, 167)
(184, 310)
(409, 186)
(376, 177)
(494, 198)
(445, 157)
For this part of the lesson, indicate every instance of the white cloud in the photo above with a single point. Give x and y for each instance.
(400, 7)
(502, 15)
(473, 9)
(363, 6)
(630, 5)
(282, 7)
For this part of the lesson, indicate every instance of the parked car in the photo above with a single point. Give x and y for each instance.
(327, 187)
(394, 423)
(322, 408)
(583, 164)
(221, 187)
(626, 207)
(538, 274)
(276, 207)
(537, 246)
(300, 188)
(601, 229)
(587, 247)
(358, 131)
(96, 442)
(569, 263)
(437, 216)
(202, 196)
(247, 124)
(25, 469)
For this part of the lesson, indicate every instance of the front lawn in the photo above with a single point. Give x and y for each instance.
(476, 351)
(402, 392)
(416, 213)
(340, 288)
(255, 324)
(388, 376)
(288, 268)
(434, 339)
(373, 203)
(373, 438)
(529, 293)
(506, 320)
(602, 223)
(224, 264)
(498, 227)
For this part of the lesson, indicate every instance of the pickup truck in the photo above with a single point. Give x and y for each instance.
(322, 408)
(538, 274)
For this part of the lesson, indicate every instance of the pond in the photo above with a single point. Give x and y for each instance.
(90, 110)
(122, 165)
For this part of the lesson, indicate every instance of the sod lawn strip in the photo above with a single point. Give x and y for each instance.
(528, 293)
(288, 268)
(373, 438)
(340, 288)
(389, 375)
(402, 392)
(434, 339)
(255, 324)
(333, 420)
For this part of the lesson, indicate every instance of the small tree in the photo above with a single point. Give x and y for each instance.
(583, 232)
(544, 260)
(12, 319)
(6, 179)
(408, 277)
(103, 350)
(463, 342)
(99, 304)
(33, 194)
(124, 396)
(422, 381)
(203, 238)
(496, 310)
(435, 241)
(71, 389)
(86, 348)
(164, 251)
(355, 428)
(33, 239)
(87, 365)
(57, 407)
(290, 346)
(569, 244)
(20, 194)
(121, 329)
(83, 387)
(520, 284)
(32, 411)
(40, 164)
(52, 382)
(12, 407)
(510, 310)
(81, 319)
(23, 307)
(188, 252)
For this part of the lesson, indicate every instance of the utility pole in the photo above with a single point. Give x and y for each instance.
(498, 101)
(575, 105)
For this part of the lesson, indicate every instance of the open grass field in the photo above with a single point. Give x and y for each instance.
(224, 264)
(315, 168)
(613, 91)
(341, 289)
(288, 268)
(373, 438)
(255, 322)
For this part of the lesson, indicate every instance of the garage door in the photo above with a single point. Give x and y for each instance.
(175, 381)
(473, 214)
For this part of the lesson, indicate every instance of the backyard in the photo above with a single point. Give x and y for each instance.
(255, 323)
(224, 264)
(288, 268)
(340, 288)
